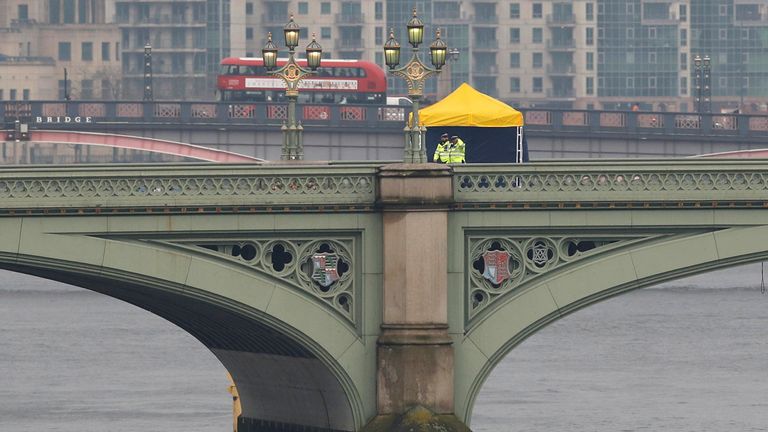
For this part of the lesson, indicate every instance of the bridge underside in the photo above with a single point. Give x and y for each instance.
(282, 385)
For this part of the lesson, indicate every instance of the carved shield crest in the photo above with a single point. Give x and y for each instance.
(496, 266)
(326, 270)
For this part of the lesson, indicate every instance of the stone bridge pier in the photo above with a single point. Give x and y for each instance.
(415, 365)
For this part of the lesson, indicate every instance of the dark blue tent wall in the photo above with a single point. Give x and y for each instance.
(484, 144)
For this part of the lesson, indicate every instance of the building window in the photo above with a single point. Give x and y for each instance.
(303, 8)
(325, 32)
(537, 10)
(379, 35)
(683, 12)
(630, 9)
(590, 61)
(600, 11)
(629, 57)
(13, 94)
(514, 35)
(630, 33)
(106, 89)
(683, 37)
(651, 32)
(380, 59)
(652, 82)
(538, 35)
(723, 9)
(538, 60)
(600, 82)
(25, 94)
(600, 58)
(590, 86)
(69, 11)
(65, 51)
(684, 85)
(723, 82)
(600, 33)
(683, 61)
(745, 34)
(23, 12)
(590, 36)
(54, 11)
(590, 11)
(117, 51)
(723, 34)
(514, 10)
(249, 8)
(652, 58)
(514, 60)
(86, 89)
(538, 85)
(325, 8)
(249, 33)
(514, 85)
(105, 51)
(630, 82)
(1, 94)
(378, 10)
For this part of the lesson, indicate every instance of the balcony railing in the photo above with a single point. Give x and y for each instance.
(486, 19)
(557, 44)
(350, 18)
(561, 19)
(568, 69)
(561, 93)
(350, 43)
(486, 44)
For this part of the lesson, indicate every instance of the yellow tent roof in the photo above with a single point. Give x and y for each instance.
(468, 107)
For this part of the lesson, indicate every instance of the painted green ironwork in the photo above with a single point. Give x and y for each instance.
(530, 258)
(612, 181)
(288, 258)
(198, 185)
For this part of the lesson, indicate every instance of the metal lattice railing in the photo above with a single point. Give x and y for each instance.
(613, 181)
(169, 186)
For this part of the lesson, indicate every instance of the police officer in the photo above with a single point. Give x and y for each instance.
(457, 150)
(441, 152)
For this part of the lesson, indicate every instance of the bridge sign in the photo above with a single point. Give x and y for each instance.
(326, 268)
(496, 266)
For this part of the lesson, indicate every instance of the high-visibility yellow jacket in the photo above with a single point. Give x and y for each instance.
(449, 152)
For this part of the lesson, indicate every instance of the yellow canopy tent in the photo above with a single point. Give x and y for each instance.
(492, 130)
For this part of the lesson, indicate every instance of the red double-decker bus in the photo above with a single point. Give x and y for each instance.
(336, 81)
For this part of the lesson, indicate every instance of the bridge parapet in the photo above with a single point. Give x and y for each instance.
(187, 188)
(612, 183)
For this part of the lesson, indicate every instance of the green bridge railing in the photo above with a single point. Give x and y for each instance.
(633, 182)
(353, 187)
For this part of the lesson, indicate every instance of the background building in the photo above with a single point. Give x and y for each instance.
(38, 39)
(601, 54)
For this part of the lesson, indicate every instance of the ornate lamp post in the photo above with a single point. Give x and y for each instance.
(415, 72)
(148, 72)
(292, 74)
(697, 83)
(702, 83)
(706, 78)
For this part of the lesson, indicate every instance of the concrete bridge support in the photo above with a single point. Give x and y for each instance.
(415, 352)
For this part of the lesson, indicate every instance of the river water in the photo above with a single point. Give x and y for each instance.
(691, 355)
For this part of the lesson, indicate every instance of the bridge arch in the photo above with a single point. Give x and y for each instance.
(528, 310)
(152, 145)
(282, 350)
